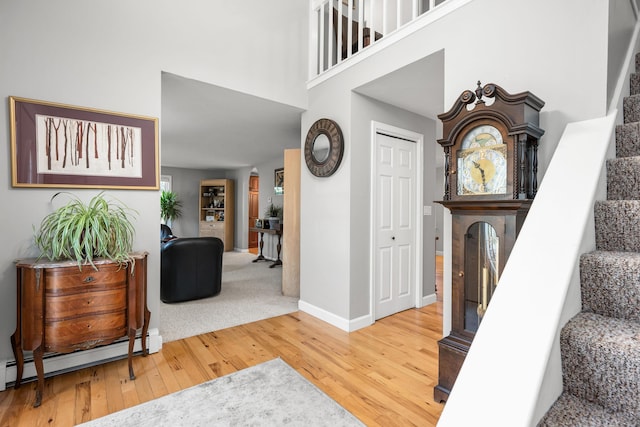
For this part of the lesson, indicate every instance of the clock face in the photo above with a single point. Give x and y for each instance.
(482, 162)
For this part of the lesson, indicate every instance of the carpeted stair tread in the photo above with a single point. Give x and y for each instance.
(601, 361)
(634, 84)
(623, 178)
(631, 108)
(628, 140)
(610, 283)
(571, 411)
(617, 225)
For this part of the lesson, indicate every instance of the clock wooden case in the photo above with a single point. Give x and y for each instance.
(490, 180)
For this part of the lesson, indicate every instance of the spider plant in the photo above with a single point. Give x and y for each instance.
(83, 232)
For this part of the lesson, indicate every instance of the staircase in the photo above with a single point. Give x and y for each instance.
(600, 346)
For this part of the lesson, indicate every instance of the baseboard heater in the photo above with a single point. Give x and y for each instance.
(57, 363)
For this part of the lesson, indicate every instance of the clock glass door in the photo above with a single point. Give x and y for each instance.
(481, 272)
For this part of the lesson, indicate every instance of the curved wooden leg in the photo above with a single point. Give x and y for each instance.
(132, 339)
(145, 329)
(37, 360)
(19, 356)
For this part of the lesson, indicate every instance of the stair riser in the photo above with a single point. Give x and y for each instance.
(634, 84)
(610, 284)
(623, 178)
(631, 109)
(618, 225)
(602, 365)
(628, 140)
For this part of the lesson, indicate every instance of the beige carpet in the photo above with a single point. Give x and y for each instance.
(250, 292)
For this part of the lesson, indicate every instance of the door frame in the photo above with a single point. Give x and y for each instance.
(418, 139)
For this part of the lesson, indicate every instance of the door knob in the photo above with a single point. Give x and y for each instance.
(393, 238)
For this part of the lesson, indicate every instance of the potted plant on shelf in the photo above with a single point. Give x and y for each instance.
(85, 231)
(273, 214)
(170, 207)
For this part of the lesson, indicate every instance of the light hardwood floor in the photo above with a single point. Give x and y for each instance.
(383, 374)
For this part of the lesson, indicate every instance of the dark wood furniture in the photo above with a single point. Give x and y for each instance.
(490, 180)
(483, 236)
(275, 231)
(62, 309)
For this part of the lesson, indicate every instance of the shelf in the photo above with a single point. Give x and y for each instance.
(216, 203)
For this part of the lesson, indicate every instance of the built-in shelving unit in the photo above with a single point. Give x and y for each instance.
(216, 210)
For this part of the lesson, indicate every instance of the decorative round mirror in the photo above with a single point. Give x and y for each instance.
(323, 147)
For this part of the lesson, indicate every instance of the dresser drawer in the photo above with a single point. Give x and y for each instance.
(70, 280)
(62, 307)
(212, 229)
(84, 332)
(211, 225)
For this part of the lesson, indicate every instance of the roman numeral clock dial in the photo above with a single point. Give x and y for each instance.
(482, 162)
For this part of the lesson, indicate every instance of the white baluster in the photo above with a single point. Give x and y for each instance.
(321, 44)
(361, 24)
(385, 17)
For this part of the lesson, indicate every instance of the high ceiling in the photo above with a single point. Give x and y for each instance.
(210, 127)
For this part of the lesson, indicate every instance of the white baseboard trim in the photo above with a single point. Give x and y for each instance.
(429, 299)
(3, 375)
(60, 363)
(337, 321)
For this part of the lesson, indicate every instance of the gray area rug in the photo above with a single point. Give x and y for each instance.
(269, 394)
(250, 292)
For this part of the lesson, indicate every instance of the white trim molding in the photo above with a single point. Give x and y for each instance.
(335, 320)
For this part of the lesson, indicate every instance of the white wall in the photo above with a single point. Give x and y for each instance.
(110, 55)
(518, 45)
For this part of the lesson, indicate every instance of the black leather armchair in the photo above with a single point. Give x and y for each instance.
(165, 233)
(191, 268)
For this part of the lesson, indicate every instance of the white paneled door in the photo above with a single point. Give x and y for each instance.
(394, 224)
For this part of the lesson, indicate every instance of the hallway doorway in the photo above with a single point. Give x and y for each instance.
(254, 193)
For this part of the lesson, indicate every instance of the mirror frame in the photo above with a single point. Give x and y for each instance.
(336, 147)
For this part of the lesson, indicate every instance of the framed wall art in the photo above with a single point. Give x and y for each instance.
(57, 145)
(278, 181)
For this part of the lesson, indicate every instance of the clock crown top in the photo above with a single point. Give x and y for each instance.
(516, 111)
(479, 93)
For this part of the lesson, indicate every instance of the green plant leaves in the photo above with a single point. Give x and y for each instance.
(79, 231)
(170, 206)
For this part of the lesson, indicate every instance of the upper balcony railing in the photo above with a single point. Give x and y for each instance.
(362, 23)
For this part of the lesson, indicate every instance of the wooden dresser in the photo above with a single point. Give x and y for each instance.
(62, 309)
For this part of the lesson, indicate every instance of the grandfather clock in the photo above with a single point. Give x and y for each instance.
(490, 181)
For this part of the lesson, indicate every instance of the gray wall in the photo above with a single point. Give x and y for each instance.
(110, 56)
(186, 184)
(365, 110)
